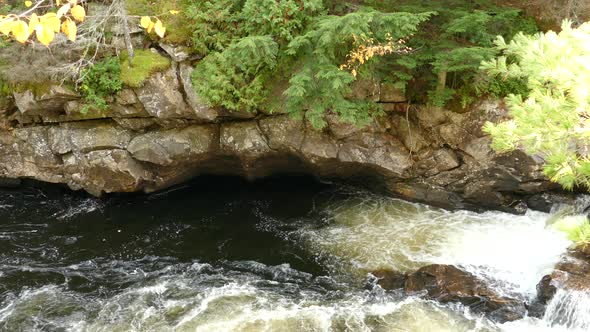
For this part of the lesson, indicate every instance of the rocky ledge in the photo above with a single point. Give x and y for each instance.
(161, 134)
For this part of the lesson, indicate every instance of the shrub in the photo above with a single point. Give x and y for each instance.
(99, 81)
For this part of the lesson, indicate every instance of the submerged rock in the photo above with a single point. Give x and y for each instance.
(447, 283)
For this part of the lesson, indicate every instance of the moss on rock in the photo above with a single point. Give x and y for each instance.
(143, 64)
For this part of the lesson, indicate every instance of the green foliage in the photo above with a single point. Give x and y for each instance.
(552, 119)
(101, 80)
(577, 229)
(143, 64)
(310, 39)
(320, 85)
(214, 24)
(234, 78)
(280, 19)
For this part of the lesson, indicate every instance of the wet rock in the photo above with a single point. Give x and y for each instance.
(572, 271)
(446, 283)
(545, 290)
(389, 279)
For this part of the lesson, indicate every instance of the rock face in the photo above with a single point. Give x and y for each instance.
(162, 133)
(446, 283)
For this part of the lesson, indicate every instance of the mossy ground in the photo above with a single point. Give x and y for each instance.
(143, 64)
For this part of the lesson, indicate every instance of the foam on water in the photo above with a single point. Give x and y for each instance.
(370, 234)
(160, 293)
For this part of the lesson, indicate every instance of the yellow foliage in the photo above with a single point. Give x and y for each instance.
(6, 26)
(69, 28)
(78, 13)
(159, 29)
(367, 48)
(63, 10)
(64, 21)
(20, 31)
(145, 22)
(33, 22)
(45, 34)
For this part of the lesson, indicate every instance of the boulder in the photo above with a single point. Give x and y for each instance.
(389, 279)
(161, 96)
(447, 283)
(175, 146)
(104, 171)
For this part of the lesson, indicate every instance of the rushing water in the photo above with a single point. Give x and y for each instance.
(289, 255)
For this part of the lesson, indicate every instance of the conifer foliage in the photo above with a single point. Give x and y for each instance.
(553, 119)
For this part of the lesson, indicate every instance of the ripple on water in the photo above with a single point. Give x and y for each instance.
(199, 297)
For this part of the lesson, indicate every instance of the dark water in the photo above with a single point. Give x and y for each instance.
(221, 254)
(213, 220)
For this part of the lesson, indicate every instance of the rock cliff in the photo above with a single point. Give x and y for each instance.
(161, 134)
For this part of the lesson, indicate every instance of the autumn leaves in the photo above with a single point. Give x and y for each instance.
(45, 27)
(147, 23)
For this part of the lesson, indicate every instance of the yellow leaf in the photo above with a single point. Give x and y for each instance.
(159, 28)
(6, 26)
(63, 10)
(145, 22)
(45, 34)
(150, 27)
(33, 22)
(78, 13)
(57, 2)
(20, 31)
(71, 30)
(28, 3)
(174, 12)
(51, 20)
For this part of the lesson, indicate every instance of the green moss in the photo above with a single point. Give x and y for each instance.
(143, 64)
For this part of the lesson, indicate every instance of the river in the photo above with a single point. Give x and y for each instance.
(288, 254)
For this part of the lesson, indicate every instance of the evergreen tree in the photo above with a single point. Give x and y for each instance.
(553, 119)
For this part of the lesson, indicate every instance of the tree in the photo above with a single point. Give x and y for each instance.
(553, 119)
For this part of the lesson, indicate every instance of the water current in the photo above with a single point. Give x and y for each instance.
(289, 254)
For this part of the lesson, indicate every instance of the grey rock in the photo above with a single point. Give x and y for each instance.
(173, 147)
(161, 96)
(52, 100)
(201, 109)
